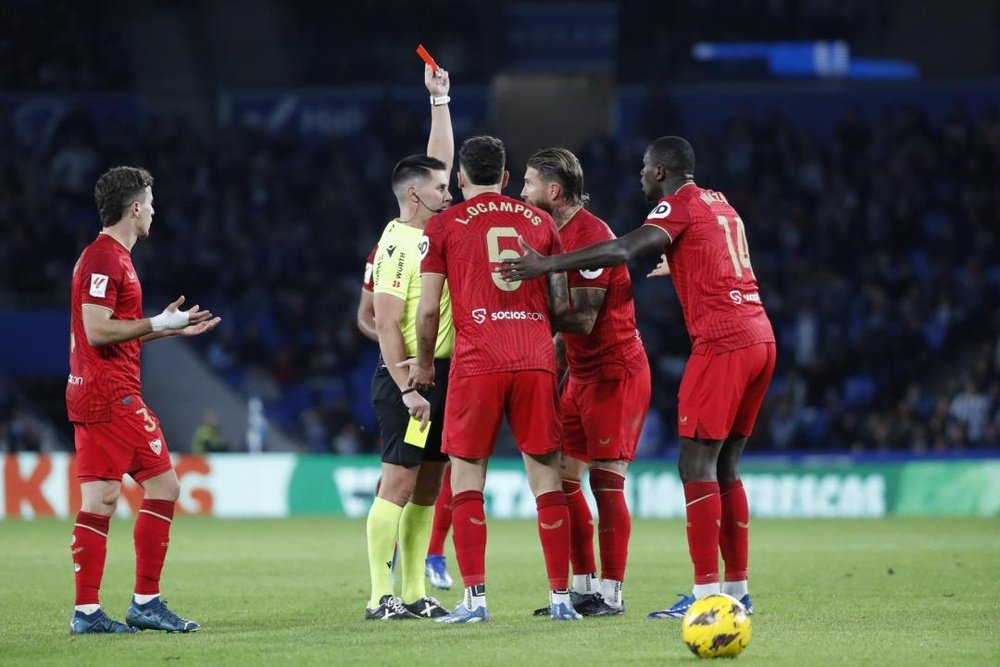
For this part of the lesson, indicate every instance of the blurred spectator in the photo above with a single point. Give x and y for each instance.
(208, 439)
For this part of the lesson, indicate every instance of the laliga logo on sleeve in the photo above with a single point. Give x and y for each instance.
(98, 285)
(660, 211)
(423, 246)
(479, 315)
(591, 274)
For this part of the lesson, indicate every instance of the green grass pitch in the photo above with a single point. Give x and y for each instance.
(886, 592)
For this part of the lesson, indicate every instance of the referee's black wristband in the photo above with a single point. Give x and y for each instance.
(407, 391)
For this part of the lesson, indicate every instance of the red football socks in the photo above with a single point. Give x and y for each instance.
(469, 518)
(581, 528)
(734, 531)
(442, 517)
(89, 547)
(614, 523)
(554, 531)
(152, 536)
(704, 513)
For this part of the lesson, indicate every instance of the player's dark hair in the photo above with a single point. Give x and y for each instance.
(561, 166)
(116, 189)
(674, 154)
(414, 166)
(482, 159)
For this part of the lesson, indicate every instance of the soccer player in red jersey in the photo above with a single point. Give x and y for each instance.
(504, 362)
(115, 431)
(732, 351)
(606, 394)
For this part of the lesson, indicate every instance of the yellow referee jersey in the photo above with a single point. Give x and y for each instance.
(397, 272)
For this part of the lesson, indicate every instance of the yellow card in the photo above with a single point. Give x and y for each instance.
(413, 435)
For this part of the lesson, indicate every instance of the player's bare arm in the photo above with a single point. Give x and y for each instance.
(559, 297)
(644, 240)
(561, 365)
(441, 142)
(101, 329)
(582, 316)
(366, 315)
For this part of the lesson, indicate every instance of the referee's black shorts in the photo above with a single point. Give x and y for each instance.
(394, 417)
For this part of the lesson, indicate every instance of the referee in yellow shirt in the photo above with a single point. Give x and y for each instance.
(412, 462)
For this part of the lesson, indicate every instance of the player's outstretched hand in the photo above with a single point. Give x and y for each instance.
(420, 377)
(418, 407)
(437, 81)
(199, 328)
(527, 266)
(661, 269)
(173, 318)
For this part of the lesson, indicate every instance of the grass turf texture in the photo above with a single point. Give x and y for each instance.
(887, 592)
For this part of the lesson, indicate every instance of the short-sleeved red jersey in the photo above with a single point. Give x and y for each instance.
(499, 326)
(368, 283)
(613, 345)
(710, 266)
(103, 276)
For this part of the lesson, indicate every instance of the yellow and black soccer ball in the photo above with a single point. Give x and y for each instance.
(716, 626)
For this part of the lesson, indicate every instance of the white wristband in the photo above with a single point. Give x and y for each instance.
(439, 101)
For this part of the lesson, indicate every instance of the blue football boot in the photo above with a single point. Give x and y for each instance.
(462, 614)
(677, 611)
(437, 572)
(98, 622)
(154, 615)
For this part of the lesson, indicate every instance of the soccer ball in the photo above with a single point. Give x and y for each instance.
(716, 626)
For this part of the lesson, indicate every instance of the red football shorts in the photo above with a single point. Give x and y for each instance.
(476, 404)
(131, 443)
(603, 420)
(721, 393)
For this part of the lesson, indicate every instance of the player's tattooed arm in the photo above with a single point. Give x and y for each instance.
(561, 364)
(559, 299)
(584, 305)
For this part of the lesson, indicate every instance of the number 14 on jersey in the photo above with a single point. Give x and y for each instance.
(739, 252)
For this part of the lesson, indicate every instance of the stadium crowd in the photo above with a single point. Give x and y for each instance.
(876, 248)
(876, 251)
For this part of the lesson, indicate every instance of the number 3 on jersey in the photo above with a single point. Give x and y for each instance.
(496, 255)
(740, 252)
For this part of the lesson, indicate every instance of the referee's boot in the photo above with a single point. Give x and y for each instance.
(390, 608)
(427, 607)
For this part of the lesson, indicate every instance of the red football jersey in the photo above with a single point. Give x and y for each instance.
(368, 284)
(710, 266)
(613, 345)
(103, 276)
(499, 326)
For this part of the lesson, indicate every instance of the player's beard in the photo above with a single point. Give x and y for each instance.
(544, 204)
